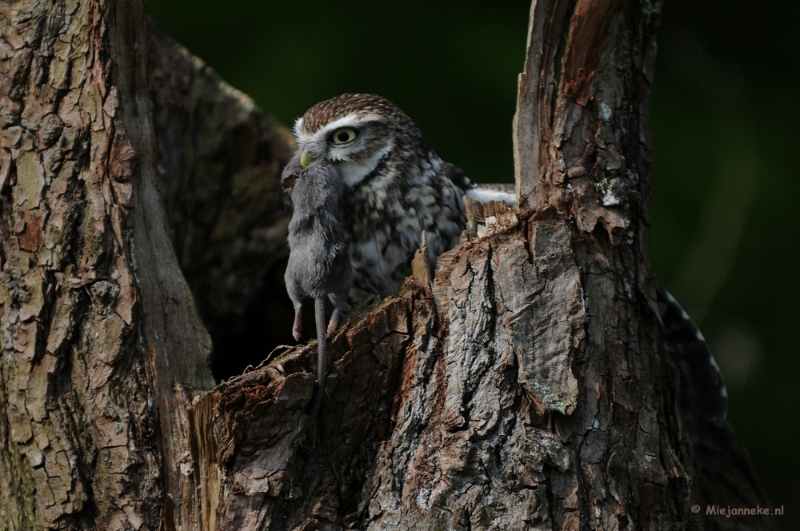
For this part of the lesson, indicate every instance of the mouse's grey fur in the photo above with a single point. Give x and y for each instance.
(318, 260)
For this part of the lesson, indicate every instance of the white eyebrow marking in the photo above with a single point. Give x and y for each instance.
(298, 127)
(349, 120)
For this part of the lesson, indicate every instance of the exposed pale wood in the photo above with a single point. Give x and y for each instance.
(536, 91)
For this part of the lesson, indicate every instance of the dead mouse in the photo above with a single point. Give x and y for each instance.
(318, 260)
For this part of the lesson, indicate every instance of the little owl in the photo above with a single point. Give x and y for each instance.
(396, 186)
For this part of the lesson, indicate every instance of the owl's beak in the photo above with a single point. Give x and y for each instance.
(305, 159)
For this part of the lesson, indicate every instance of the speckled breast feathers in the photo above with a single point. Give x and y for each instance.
(396, 186)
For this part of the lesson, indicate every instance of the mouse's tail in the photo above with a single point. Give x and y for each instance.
(322, 356)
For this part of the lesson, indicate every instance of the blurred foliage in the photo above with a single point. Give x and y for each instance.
(724, 116)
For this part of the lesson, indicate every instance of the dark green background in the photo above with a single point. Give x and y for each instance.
(724, 117)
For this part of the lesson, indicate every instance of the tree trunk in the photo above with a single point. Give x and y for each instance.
(519, 384)
(102, 345)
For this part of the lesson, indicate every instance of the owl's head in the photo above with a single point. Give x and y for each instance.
(353, 131)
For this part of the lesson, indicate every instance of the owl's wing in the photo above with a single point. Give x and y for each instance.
(458, 176)
(703, 390)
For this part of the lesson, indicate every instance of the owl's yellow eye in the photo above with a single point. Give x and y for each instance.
(343, 135)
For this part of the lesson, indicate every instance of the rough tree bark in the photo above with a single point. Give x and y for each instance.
(102, 344)
(519, 384)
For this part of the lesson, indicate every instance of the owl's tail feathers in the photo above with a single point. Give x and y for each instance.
(484, 193)
(702, 387)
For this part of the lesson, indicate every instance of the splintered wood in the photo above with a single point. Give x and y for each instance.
(490, 217)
